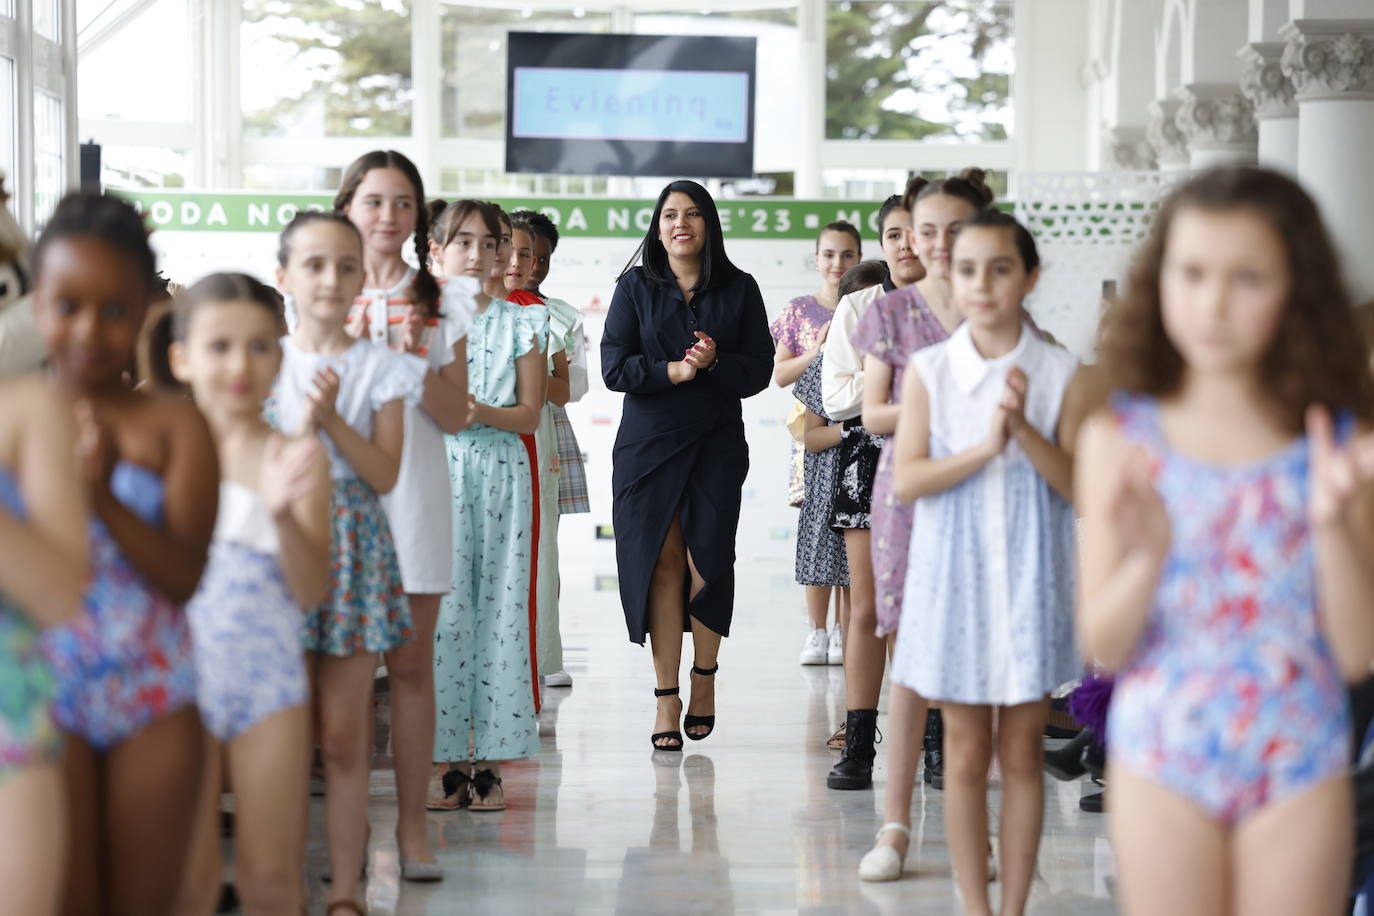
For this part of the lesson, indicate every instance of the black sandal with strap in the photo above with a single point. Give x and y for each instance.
(676, 736)
(691, 722)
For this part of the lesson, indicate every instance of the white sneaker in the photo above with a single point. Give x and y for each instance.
(835, 654)
(558, 679)
(814, 652)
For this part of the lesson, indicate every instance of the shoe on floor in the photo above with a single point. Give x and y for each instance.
(1093, 804)
(835, 654)
(1066, 763)
(883, 863)
(855, 767)
(814, 650)
(558, 679)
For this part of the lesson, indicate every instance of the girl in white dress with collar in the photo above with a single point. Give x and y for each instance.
(984, 445)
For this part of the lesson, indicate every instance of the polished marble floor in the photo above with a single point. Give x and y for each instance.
(740, 823)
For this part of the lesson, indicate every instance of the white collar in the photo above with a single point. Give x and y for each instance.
(401, 286)
(969, 367)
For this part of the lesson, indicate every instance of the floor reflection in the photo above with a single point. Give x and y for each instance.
(739, 823)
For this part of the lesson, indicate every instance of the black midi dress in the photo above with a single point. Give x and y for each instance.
(680, 449)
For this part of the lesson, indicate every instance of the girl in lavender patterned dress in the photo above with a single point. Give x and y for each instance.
(800, 332)
(269, 559)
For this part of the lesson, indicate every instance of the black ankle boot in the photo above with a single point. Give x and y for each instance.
(855, 768)
(934, 742)
(1066, 763)
(1095, 758)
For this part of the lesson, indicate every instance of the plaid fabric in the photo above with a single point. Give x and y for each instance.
(572, 477)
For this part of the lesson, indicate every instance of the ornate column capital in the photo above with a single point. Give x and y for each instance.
(1162, 133)
(1264, 83)
(1215, 116)
(1330, 58)
(1129, 148)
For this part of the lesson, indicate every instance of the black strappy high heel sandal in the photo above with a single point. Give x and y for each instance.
(691, 722)
(676, 736)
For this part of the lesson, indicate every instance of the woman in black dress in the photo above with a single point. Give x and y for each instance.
(686, 339)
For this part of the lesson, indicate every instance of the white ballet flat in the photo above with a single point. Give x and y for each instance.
(883, 863)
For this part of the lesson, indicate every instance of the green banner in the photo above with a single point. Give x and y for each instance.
(742, 218)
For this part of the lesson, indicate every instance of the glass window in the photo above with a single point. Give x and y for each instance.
(9, 116)
(326, 69)
(7, 8)
(47, 19)
(49, 180)
(143, 73)
(267, 176)
(144, 167)
(474, 61)
(917, 71)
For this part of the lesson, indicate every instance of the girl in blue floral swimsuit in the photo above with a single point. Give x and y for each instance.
(1228, 503)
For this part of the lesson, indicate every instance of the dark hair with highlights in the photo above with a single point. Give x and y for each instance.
(716, 268)
(863, 275)
(112, 220)
(1316, 356)
(1020, 235)
(970, 186)
(424, 287)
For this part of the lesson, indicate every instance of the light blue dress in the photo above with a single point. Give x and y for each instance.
(483, 673)
(987, 612)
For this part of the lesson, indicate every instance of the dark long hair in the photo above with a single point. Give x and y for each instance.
(424, 287)
(716, 267)
(1316, 356)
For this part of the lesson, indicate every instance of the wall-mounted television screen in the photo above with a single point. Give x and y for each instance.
(583, 104)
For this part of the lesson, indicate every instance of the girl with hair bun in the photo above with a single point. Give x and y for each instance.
(406, 309)
(800, 332)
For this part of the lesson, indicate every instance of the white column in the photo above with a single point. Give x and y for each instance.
(1164, 136)
(1218, 124)
(1272, 95)
(1331, 64)
(426, 72)
(808, 182)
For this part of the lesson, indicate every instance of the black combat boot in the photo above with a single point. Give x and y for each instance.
(855, 768)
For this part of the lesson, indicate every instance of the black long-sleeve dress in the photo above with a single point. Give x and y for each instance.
(680, 449)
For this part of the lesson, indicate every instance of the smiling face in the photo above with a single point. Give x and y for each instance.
(836, 252)
(384, 209)
(89, 306)
(936, 219)
(230, 356)
(324, 272)
(1223, 286)
(989, 278)
(682, 227)
(471, 250)
(902, 264)
(521, 259)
